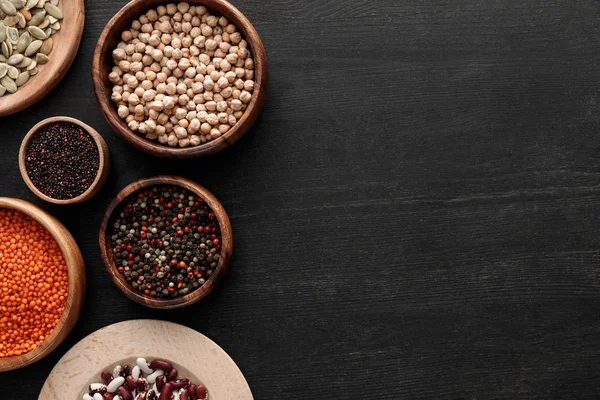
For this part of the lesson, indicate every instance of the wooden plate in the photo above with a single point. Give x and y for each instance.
(66, 42)
(189, 351)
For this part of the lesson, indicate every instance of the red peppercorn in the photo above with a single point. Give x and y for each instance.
(207, 229)
(187, 229)
(130, 256)
(174, 262)
(216, 241)
(193, 215)
(214, 229)
(141, 277)
(200, 229)
(143, 235)
(129, 247)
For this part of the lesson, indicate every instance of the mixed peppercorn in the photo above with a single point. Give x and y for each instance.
(166, 241)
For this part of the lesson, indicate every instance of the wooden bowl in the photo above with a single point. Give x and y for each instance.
(76, 291)
(226, 243)
(103, 63)
(64, 50)
(193, 355)
(103, 170)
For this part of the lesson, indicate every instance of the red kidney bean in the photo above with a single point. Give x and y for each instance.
(160, 382)
(130, 382)
(126, 371)
(172, 375)
(108, 396)
(142, 384)
(201, 392)
(180, 383)
(161, 364)
(192, 391)
(97, 388)
(151, 395)
(165, 394)
(141, 396)
(183, 395)
(124, 393)
(106, 377)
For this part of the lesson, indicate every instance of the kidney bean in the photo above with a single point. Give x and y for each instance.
(165, 393)
(151, 395)
(108, 396)
(184, 394)
(117, 371)
(201, 392)
(180, 383)
(135, 372)
(161, 364)
(142, 384)
(192, 392)
(141, 362)
(172, 375)
(130, 382)
(160, 382)
(115, 384)
(125, 393)
(97, 388)
(106, 377)
(152, 377)
(141, 396)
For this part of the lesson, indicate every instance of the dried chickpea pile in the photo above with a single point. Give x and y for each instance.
(33, 283)
(182, 76)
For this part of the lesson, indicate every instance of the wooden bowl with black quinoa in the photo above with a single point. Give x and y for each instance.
(165, 242)
(64, 161)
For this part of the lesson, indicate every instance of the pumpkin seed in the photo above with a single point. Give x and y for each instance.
(37, 19)
(55, 26)
(2, 15)
(47, 46)
(11, 20)
(22, 23)
(15, 59)
(6, 51)
(24, 41)
(44, 24)
(37, 33)
(33, 47)
(52, 19)
(18, 3)
(9, 84)
(7, 7)
(53, 10)
(25, 63)
(13, 35)
(55, 2)
(13, 72)
(30, 4)
(48, 32)
(41, 3)
(41, 58)
(3, 70)
(22, 79)
(2, 90)
(33, 72)
(32, 65)
(2, 32)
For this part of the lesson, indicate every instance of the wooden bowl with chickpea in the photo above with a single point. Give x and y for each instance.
(180, 80)
(40, 295)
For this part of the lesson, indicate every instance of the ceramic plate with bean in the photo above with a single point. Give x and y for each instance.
(154, 380)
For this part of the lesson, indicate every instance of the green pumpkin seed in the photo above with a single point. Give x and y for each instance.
(6, 50)
(55, 26)
(32, 65)
(3, 33)
(2, 90)
(13, 35)
(2, 15)
(48, 31)
(9, 84)
(2, 58)
(15, 59)
(30, 4)
(55, 2)
(22, 23)
(18, 3)
(7, 7)
(41, 3)
(52, 19)
(44, 24)
(22, 79)
(25, 63)
(13, 72)
(24, 41)
(11, 20)
(41, 58)
(3, 70)
(47, 46)
(37, 19)
(53, 10)
(33, 72)
(37, 33)
(33, 47)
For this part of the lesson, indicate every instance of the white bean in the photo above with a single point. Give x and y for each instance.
(135, 372)
(141, 362)
(115, 384)
(98, 396)
(152, 377)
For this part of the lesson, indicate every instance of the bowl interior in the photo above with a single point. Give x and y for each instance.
(66, 42)
(102, 154)
(119, 279)
(103, 63)
(76, 290)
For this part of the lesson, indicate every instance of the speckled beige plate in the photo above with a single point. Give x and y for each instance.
(192, 353)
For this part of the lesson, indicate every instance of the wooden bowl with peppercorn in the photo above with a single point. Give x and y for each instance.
(75, 274)
(192, 85)
(64, 161)
(165, 242)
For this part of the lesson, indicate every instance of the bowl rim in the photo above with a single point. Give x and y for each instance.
(226, 240)
(58, 72)
(76, 288)
(103, 155)
(153, 147)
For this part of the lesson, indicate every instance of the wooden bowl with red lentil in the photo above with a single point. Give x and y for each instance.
(37, 255)
(165, 242)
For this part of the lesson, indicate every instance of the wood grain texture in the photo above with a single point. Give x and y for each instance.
(108, 257)
(193, 355)
(103, 64)
(103, 165)
(416, 211)
(66, 43)
(76, 290)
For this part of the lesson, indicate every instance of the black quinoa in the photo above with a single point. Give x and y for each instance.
(165, 241)
(62, 160)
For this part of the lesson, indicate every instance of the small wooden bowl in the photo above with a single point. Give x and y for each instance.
(103, 63)
(103, 170)
(76, 291)
(66, 42)
(226, 240)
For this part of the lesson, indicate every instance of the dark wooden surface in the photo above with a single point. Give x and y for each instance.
(416, 212)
